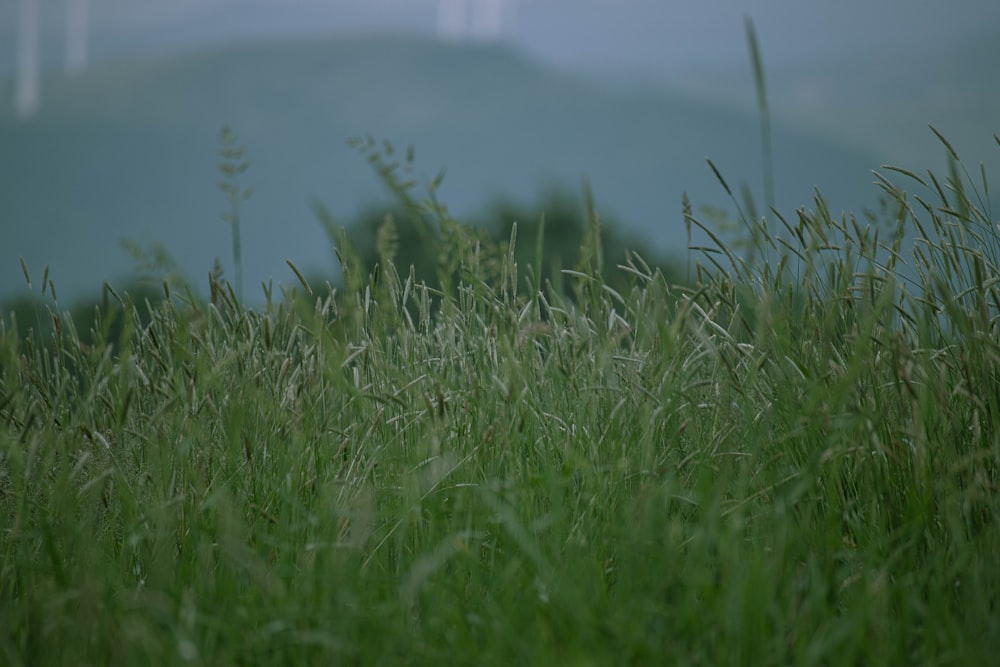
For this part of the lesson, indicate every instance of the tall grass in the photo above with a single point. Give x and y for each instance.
(232, 165)
(794, 462)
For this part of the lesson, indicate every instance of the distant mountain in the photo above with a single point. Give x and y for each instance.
(882, 101)
(888, 102)
(129, 150)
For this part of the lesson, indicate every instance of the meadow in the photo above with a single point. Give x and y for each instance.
(790, 459)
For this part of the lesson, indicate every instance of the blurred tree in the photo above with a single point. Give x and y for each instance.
(565, 221)
(94, 319)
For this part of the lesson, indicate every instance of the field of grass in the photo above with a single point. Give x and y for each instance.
(795, 461)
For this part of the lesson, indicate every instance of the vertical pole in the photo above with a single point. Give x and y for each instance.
(77, 34)
(489, 20)
(27, 86)
(453, 19)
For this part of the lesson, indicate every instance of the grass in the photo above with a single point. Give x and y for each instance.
(793, 462)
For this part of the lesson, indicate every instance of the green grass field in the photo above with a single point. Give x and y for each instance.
(793, 461)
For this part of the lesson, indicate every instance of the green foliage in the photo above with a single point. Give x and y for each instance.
(793, 462)
(558, 232)
(767, 163)
(33, 316)
(232, 165)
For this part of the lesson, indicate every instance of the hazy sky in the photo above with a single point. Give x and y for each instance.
(643, 33)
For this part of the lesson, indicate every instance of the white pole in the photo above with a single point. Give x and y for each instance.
(453, 19)
(77, 34)
(488, 24)
(27, 86)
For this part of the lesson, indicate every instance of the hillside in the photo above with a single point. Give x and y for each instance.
(129, 150)
(888, 104)
(882, 101)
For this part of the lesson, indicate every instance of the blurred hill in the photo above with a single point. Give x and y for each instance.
(883, 101)
(129, 150)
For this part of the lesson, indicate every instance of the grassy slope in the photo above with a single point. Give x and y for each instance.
(795, 464)
(129, 149)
